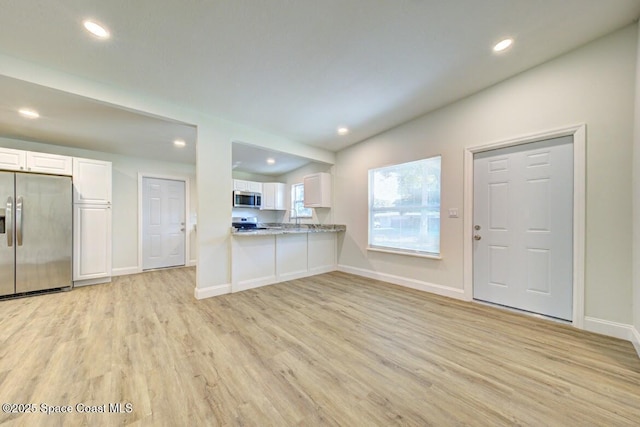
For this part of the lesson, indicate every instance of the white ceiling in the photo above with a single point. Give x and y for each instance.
(301, 68)
(252, 159)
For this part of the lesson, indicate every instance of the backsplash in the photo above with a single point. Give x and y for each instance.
(263, 216)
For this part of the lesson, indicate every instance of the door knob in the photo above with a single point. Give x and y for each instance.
(477, 237)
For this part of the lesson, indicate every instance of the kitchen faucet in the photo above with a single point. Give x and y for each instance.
(296, 218)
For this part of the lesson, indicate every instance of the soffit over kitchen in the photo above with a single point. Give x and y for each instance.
(253, 159)
(75, 121)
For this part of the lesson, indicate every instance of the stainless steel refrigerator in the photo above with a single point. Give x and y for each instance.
(36, 234)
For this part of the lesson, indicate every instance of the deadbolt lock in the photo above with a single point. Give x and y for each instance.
(476, 227)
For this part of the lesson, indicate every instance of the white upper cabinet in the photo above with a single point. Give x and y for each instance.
(242, 185)
(273, 196)
(49, 163)
(13, 160)
(280, 196)
(91, 181)
(30, 161)
(255, 187)
(317, 190)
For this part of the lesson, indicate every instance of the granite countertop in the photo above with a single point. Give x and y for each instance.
(285, 228)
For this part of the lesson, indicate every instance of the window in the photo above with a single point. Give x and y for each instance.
(404, 207)
(297, 203)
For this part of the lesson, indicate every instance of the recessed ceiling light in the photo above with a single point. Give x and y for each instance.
(502, 45)
(28, 113)
(271, 161)
(179, 143)
(96, 29)
(343, 130)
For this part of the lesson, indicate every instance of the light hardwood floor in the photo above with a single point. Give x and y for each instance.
(334, 349)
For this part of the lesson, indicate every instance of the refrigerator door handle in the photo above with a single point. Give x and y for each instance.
(9, 221)
(19, 221)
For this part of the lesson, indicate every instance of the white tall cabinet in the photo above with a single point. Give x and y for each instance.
(92, 221)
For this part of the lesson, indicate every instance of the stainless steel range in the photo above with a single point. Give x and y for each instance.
(246, 223)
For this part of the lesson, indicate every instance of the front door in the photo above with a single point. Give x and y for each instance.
(523, 227)
(163, 223)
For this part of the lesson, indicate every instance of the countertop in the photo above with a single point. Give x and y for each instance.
(274, 229)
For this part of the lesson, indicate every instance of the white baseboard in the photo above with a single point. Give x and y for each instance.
(212, 291)
(609, 328)
(92, 281)
(403, 281)
(192, 262)
(245, 285)
(635, 339)
(321, 270)
(284, 277)
(123, 271)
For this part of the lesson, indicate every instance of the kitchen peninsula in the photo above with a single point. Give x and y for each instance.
(282, 252)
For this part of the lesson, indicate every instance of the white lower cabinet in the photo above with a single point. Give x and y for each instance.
(92, 243)
(259, 260)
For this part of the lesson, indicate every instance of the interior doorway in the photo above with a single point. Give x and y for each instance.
(163, 222)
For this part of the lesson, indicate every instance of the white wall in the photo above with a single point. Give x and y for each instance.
(125, 197)
(636, 207)
(589, 85)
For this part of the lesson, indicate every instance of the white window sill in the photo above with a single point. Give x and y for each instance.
(413, 254)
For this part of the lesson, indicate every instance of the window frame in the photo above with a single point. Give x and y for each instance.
(293, 213)
(377, 247)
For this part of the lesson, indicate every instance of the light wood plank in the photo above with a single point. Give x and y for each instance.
(334, 349)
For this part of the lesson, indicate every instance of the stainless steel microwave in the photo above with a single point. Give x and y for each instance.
(246, 199)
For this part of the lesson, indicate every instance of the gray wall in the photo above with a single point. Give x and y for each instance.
(589, 85)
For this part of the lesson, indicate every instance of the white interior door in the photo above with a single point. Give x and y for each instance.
(163, 223)
(523, 227)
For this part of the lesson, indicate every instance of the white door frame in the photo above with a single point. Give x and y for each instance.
(579, 207)
(187, 223)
